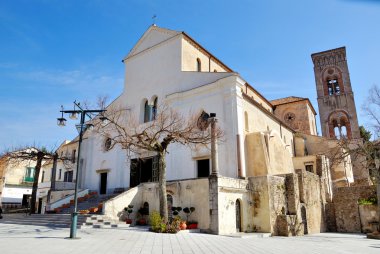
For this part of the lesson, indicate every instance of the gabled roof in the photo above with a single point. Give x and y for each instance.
(286, 100)
(292, 99)
(164, 34)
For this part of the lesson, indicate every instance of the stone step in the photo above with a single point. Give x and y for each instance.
(57, 220)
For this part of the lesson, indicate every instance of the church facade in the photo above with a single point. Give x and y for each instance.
(272, 176)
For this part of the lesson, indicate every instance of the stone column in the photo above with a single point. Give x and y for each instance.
(214, 148)
(214, 204)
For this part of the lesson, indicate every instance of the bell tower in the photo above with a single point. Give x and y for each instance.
(336, 102)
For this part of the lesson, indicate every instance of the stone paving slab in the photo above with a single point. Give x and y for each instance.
(17, 239)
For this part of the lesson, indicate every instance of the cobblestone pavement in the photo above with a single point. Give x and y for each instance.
(23, 239)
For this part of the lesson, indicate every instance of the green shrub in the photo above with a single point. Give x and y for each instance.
(174, 226)
(156, 221)
(368, 201)
(158, 226)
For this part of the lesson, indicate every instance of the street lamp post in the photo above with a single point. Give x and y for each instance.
(81, 128)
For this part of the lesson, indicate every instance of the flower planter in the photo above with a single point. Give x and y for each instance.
(192, 226)
(183, 225)
(128, 221)
(65, 206)
(142, 222)
(84, 211)
(57, 210)
(93, 210)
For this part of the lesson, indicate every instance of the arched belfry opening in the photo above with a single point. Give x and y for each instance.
(339, 125)
(332, 81)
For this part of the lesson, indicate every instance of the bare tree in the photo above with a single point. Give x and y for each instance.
(166, 127)
(41, 155)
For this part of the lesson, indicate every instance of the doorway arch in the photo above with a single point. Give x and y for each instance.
(238, 215)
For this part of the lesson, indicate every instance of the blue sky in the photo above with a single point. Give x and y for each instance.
(53, 52)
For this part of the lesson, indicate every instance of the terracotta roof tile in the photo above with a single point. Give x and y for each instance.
(287, 100)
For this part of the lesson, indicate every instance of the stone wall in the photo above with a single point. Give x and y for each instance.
(346, 207)
(233, 192)
(369, 217)
(186, 193)
(312, 195)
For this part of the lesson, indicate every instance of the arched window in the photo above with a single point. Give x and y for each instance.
(107, 144)
(199, 66)
(246, 121)
(339, 125)
(337, 132)
(343, 131)
(154, 109)
(147, 112)
(333, 86)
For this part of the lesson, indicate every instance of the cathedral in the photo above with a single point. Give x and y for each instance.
(274, 172)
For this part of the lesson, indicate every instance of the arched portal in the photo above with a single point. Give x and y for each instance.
(238, 215)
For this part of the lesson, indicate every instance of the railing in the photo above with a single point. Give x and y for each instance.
(65, 200)
(28, 179)
(64, 185)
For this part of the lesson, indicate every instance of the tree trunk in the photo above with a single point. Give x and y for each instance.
(162, 188)
(32, 204)
(378, 202)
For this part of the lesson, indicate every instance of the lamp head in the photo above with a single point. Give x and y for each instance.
(61, 121)
(73, 116)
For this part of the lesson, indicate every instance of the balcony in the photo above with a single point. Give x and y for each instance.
(28, 179)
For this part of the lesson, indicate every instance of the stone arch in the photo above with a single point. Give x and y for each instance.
(339, 124)
(238, 215)
(146, 207)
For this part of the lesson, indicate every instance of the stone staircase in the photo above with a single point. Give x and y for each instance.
(46, 220)
(102, 221)
(92, 201)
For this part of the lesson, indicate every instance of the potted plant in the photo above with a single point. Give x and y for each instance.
(128, 210)
(176, 210)
(143, 211)
(190, 224)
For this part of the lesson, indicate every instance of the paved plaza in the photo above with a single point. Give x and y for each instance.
(23, 239)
